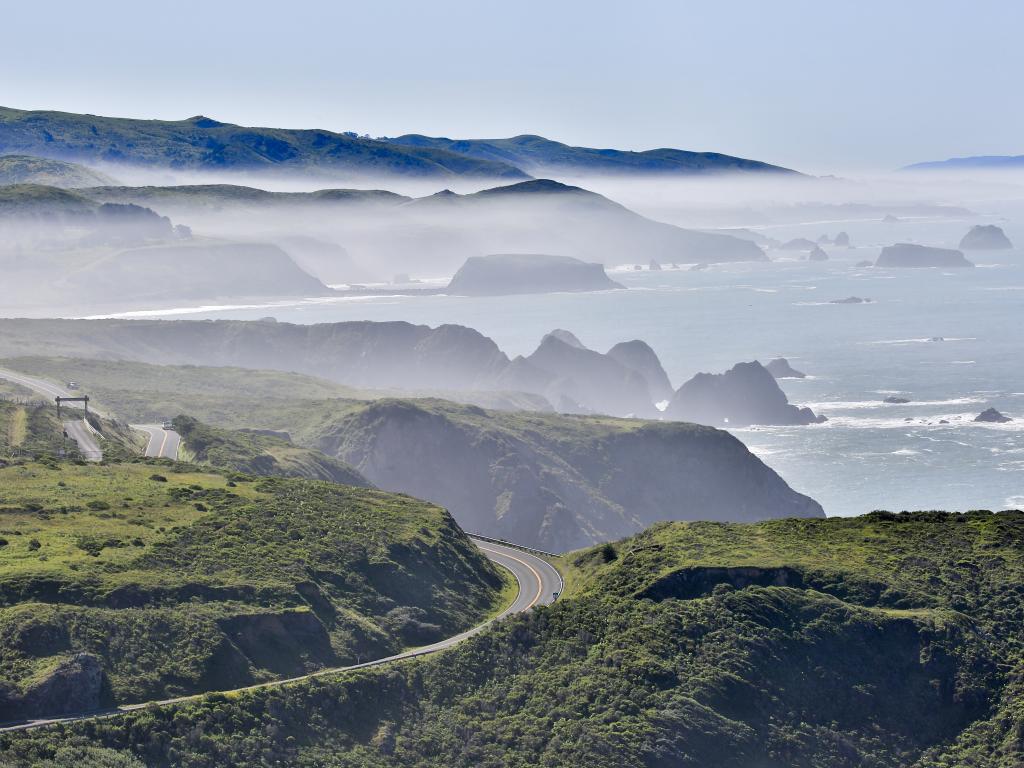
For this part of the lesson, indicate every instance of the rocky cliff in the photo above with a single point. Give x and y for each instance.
(744, 395)
(558, 482)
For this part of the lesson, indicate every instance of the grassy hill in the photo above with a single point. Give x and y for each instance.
(885, 640)
(25, 169)
(539, 156)
(259, 453)
(549, 480)
(141, 581)
(203, 144)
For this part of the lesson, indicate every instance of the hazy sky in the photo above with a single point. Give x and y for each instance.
(828, 85)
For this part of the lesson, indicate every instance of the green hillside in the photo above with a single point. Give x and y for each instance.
(201, 143)
(25, 169)
(885, 640)
(134, 582)
(260, 454)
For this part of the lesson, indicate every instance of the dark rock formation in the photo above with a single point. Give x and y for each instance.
(896, 400)
(744, 395)
(506, 274)
(863, 264)
(992, 416)
(842, 240)
(638, 356)
(985, 237)
(596, 382)
(817, 254)
(698, 267)
(912, 255)
(76, 684)
(889, 219)
(781, 369)
(654, 266)
(851, 300)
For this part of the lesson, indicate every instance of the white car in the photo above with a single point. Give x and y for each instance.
(72, 385)
(168, 425)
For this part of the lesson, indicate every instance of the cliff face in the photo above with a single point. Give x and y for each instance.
(744, 395)
(558, 482)
(638, 356)
(506, 274)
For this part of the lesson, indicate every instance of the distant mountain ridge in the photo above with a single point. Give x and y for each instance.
(538, 155)
(203, 144)
(975, 162)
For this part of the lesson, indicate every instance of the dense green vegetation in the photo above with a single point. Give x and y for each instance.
(200, 143)
(133, 582)
(259, 453)
(885, 640)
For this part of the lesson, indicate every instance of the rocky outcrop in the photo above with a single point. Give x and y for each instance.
(896, 400)
(781, 369)
(842, 240)
(992, 416)
(746, 394)
(918, 256)
(654, 266)
(864, 263)
(985, 237)
(638, 356)
(817, 254)
(851, 300)
(558, 482)
(598, 383)
(568, 337)
(506, 274)
(75, 684)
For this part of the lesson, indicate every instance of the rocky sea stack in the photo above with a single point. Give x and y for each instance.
(912, 255)
(781, 369)
(515, 273)
(985, 237)
(746, 394)
(992, 416)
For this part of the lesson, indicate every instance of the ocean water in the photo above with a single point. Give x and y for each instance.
(869, 455)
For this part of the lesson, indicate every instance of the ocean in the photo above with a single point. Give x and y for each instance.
(948, 340)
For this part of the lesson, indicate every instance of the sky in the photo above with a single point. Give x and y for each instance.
(830, 86)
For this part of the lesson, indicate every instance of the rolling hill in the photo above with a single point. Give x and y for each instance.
(203, 144)
(25, 169)
(540, 157)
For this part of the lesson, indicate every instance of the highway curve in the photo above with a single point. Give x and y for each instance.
(163, 443)
(539, 584)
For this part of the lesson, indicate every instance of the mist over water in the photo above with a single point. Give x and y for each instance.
(869, 455)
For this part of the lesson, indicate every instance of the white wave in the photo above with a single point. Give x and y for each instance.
(921, 340)
(861, 405)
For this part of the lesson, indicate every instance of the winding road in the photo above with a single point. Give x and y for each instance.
(539, 584)
(538, 581)
(162, 443)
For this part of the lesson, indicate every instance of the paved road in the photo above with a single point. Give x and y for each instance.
(85, 436)
(163, 443)
(76, 429)
(538, 582)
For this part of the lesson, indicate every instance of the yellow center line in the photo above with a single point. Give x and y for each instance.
(540, 580)
(162, 444)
